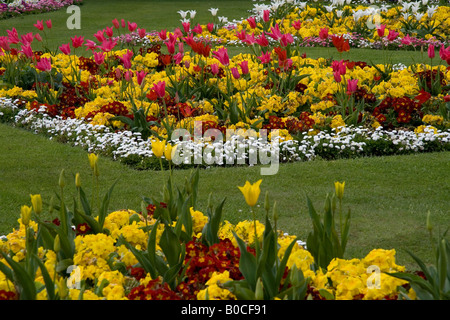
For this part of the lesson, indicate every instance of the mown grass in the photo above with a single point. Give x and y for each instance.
(388, 196)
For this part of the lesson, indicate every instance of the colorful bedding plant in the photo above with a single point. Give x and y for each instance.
(171, 250)
(10, 9)
(155, 88)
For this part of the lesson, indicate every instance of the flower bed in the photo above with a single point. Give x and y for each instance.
(20, 7)
(172, 251)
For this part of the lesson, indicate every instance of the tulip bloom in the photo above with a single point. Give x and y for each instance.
(160, 89)
(244, 66)
(266, 15)
(214, 68)
(380, 30)
(99, 58)
(406, 40)
(163, 34)
(323, 33)
(36, 202)
(25, 214)
(222, 56)
(210, 27)
(27, 51)
(39, 25)
(93, 159)
(340, 43)
(65, 48)
(265, 57)
(252, 22)
(235, 73)
(352, 85)
(158, 147)
(431, 53)
(77, 41)
(169, 151)
(109, 32)
(262, 41)
(141, 76)
(108, 45)
(339, 188)
(132, 26)
(251, 192)
(297, 24)
(49, 24)
(44, 64)
(392, 35)
(116, 23)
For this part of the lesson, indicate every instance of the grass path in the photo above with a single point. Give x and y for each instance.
(389, 196)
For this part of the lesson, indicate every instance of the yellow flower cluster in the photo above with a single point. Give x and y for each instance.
(214, 289)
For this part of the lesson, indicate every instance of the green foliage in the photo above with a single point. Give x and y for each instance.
(323, 242)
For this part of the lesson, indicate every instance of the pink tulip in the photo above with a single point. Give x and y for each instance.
(115, 23)
(100, 36)
(170, 46)
(266, 15)
(160, 89)
(99, 58)
(128, 75)
(122, 22)
(323, 33)
(140, 77)
(13, 36)
(252, 22)
(132, 26)
(27, 38)
(380, 30)
(186, 26)
(44, 64)
(49, 24)
(235, 73)
(262, 41)
(108, 45)
(38, 37)
(210, 27)
(39, 25)
(163, 34)
(178, 57)
(241, 35)
(250, 39)
(392, 35)
(77, 41)
(286, 39)
(126, 59)
(431, 53)
(4, 43)
(198, 29)
(222, 56)
(91, 45)
(65, 48)
(339, 66)
(265, 57)
(276, 33)
(286, 64)
(297, 24)
(406, 40)
(244, 67)
(352, 85)
(109, 31)
(180, 47)
(27, 51)
(214, 68)
(337, 77)
(142, 32)
(444, 53)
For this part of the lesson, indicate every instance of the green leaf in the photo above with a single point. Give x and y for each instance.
(170, 244)
(25, 280)
(105, 204)
(247, 263)
(49, 285)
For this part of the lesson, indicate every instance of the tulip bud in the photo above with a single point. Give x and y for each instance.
(62, 180)
(92, 160)
(339, 186)
(62, 288)
(25, 213)
(429, 225)
(36, 201)
(275, 212)
(77, 180)
(57, 244)
(210, 201)
(259, 290)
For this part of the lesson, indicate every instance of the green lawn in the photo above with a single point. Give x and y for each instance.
(389, 196)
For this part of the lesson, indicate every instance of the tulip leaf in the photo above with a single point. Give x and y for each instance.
(49, 285)
(247, 263)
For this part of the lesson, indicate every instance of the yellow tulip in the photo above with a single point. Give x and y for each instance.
(25, 213)
(36, 201)
(169, 151)
(251, 192)
(339, 186)
(158, 147)
(93, 158)
(78, 180)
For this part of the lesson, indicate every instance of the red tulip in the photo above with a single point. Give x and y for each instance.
(132, 26)
(142, 33)
(109, 31)
(266, 15)
(297, 24)
(352, 85)
(99, 57)
(340, 43)
(222, 56)
(431, 53)
(235, 73)
(392, 35)
(244, 67)
(116, 24)
(163, 34)
(49, 24)
(380, 30)
(265, 57)
(140, 76)
(27, 51)
(252, 22)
